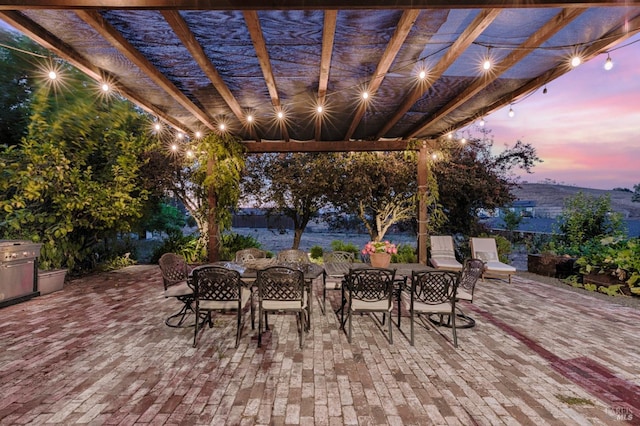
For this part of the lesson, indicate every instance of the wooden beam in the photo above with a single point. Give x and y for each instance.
(477, 26)
(298, 4)
(543, 34)
(335, 146)
(260, 46)
(328, 36)
(66, 52)
(118, 41)
(596, 48)
(399, 36)
(180, 27)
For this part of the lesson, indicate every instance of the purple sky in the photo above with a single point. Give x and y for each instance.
(586, 128)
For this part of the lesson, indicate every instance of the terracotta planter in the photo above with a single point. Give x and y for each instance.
(51, 280)
(380, 260)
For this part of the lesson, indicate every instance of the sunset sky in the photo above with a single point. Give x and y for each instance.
(586, 128)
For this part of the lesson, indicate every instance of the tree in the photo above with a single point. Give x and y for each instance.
(585, 218)
(296, 185)
(636, 194)
(470, 177)
(74, 178)
(380, 187)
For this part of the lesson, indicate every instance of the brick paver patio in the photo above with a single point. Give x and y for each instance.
(98, 352)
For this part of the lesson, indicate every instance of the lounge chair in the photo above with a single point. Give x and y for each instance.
(442, 254)
(486, 250)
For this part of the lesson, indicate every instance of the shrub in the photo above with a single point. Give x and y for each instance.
(337, 245)
(316, 252)
(233, 242)
(189, 246)
(406, 254)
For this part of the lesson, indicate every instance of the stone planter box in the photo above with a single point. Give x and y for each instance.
(550, 265)
(51, 280)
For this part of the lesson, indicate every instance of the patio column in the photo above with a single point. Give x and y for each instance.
(213, 245)
(423, 173)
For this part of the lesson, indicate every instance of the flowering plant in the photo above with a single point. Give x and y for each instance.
(379, 247)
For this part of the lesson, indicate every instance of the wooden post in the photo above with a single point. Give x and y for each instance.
(213, 245)
(423, 173)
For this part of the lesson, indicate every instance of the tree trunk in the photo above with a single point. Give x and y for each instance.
(297, 236)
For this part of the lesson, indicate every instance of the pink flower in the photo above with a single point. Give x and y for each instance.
(379, 247)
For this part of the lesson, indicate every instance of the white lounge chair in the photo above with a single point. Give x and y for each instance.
(442, 254)
(486, 250)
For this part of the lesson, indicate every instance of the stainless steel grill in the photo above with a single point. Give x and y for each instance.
(18, 271)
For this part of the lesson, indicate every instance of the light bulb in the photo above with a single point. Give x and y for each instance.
(319, 109)
(608, 64)
(156, 127)
(365, 95)
(180, 135)
(105, 87)
(222, 127)
(174, 147)
(544, 91)
(280, 115)
(198, 134)
(449, 135)
(463, 141)
(422, 75)
(511, 113)
(482, 122)
(486, 65)
(575, 61)
(52, 75)
(249, 118)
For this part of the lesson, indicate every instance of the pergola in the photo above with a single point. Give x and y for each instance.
(291, 76)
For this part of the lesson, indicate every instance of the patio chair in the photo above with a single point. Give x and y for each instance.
(471, 272)
(443, 255)
(369, 290)
(251, 253)
(334, 282)
(175, 272)
(282, 289)
(433, 292)
(485, 249)
(219, 289)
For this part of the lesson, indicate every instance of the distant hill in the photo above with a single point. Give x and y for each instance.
(550, 198)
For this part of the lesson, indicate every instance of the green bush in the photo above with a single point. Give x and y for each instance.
(502, 244)
(316, 252)
(406, 254)
(337, 245)
(233, 242)
(188, 246)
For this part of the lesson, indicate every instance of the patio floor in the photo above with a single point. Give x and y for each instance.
(98, 352)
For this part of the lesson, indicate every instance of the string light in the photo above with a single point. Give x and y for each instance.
(511, 113)
(222, 127)
(422, 74)
(53, 75)
(105, 87)
(544, 91)
(575, 61)
(319, 109)
(249, 118)
(365, 95)
(280, 115)
(157, 126)
(608, 64)
(482, 122)
(198, 134)
(174, 147)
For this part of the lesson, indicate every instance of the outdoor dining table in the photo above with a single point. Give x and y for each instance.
(403, 272)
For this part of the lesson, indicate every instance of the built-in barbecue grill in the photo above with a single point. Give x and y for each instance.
(18, 271)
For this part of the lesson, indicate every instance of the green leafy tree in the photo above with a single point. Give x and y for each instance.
(296, 185)
(380, 187)
(471, 177)
(585, 218)
(17, 56)
(73, 180)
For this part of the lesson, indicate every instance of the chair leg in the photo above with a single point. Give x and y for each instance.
(411, 322)
(260, 325)
(239, 325)
(182, 313)
(390, 329)
(300, 321)
(453, 328)
(324, 299)
(195, 328)
(349, 315)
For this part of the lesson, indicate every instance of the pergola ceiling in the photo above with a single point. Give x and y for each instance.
(197, 64)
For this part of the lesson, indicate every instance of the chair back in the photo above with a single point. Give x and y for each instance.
(434, 287)
(251, 253)
(442, 245)
(293, 256)
(280, 283)
(216, 283)
(484, 249)
(174, 269)
(339, 257)
(370, 284)
(471, 272)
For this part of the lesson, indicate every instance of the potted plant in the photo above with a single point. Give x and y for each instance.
(51, 274)
(379, 253)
